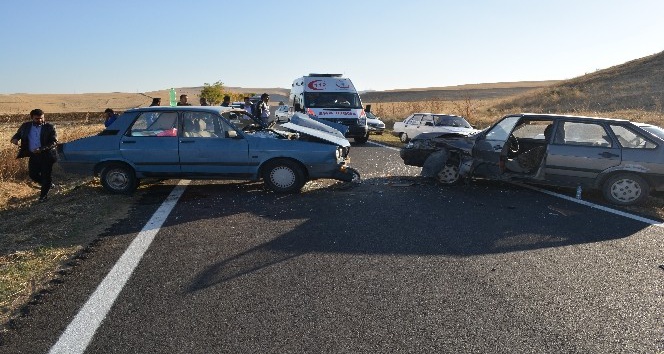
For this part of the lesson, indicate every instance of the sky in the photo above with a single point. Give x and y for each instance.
(97, 46)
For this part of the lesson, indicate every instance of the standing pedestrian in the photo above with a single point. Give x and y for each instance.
(263, 109)
(38, 141)
(249, 107)
(155, 102)
(204, 101)
(183, 101)
(227, 101)
(110, 117)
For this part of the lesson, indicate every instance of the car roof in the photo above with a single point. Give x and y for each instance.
(564, 116)
(217, 109)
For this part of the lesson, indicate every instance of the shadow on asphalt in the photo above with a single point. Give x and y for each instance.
(390, 216)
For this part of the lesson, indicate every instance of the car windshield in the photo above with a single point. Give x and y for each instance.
(654, 130)
(332, 100)
(450, 121)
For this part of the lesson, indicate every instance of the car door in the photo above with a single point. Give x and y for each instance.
(579, 151)
(210, 146)
(151, 143)
(490, 145)
(411, 127)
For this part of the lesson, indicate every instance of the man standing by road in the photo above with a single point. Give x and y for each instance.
(263, 109)
(226, 102)
(38, 141)
(110, 117)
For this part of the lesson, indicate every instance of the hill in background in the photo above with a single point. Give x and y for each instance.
(635, 85)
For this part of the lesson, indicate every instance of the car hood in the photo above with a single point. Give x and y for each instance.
(458, 140)
(302, 124)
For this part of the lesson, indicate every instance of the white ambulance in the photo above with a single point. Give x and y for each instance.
(333, 98)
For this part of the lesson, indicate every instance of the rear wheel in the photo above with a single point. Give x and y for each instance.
(118, 178)
(283, 176)
(403, 137)
(625, 189)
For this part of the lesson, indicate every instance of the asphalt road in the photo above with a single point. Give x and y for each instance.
(394, 265)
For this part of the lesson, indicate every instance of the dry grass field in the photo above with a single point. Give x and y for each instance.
(40, 241)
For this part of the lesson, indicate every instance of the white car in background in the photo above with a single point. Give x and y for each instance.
(418, 123)
(375, 125)
(282, 113)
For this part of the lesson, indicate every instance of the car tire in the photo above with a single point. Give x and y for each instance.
(625, 189)
(118, 178)
(363, 139)
(283, 176)
(403, 137)
(356, 175)
(449, 174)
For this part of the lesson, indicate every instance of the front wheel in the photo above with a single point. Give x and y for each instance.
(363, 139)
(625, 189)
(283, 176)
(118, 178)
(449, 174)
(356, 175)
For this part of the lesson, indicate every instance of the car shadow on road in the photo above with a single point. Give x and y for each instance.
(400, 216)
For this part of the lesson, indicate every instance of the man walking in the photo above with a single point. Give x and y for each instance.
(38, 141)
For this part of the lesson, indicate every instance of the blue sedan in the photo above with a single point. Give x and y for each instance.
(208, 143)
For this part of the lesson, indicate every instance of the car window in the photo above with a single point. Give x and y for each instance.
(427, 120)
(583, 134)
(502, 129)
(237, 120)
(155, 124)
(415, 120)
(534, 130)
(201, 125)
(631, 140)
(450, 121)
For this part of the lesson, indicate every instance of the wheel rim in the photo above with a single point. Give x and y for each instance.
(117, 179)
(282, 177)
(449, 174)
(626, 190)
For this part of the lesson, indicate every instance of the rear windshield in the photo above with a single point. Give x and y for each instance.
(332, 100)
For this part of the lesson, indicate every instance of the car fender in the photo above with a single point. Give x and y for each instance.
(633, 168)
(100, 164)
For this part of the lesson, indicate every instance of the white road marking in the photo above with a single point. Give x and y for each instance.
(80, 331)
(571, 199)
(385, 146)
(593, 205)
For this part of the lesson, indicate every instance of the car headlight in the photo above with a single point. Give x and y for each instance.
(339, 152)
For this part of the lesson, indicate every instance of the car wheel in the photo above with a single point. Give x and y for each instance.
(118, 178)
(283, 176)
(356, 175)
(403, 137)
(625, 189)
(449, 174)
(362, 140)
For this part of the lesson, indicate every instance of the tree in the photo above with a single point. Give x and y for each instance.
(214, 93)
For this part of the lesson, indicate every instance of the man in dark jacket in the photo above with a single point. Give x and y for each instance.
(38, 141)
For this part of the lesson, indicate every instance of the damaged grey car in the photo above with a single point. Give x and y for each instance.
(623, 159)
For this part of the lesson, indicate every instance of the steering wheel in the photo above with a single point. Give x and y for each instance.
(513, 144)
